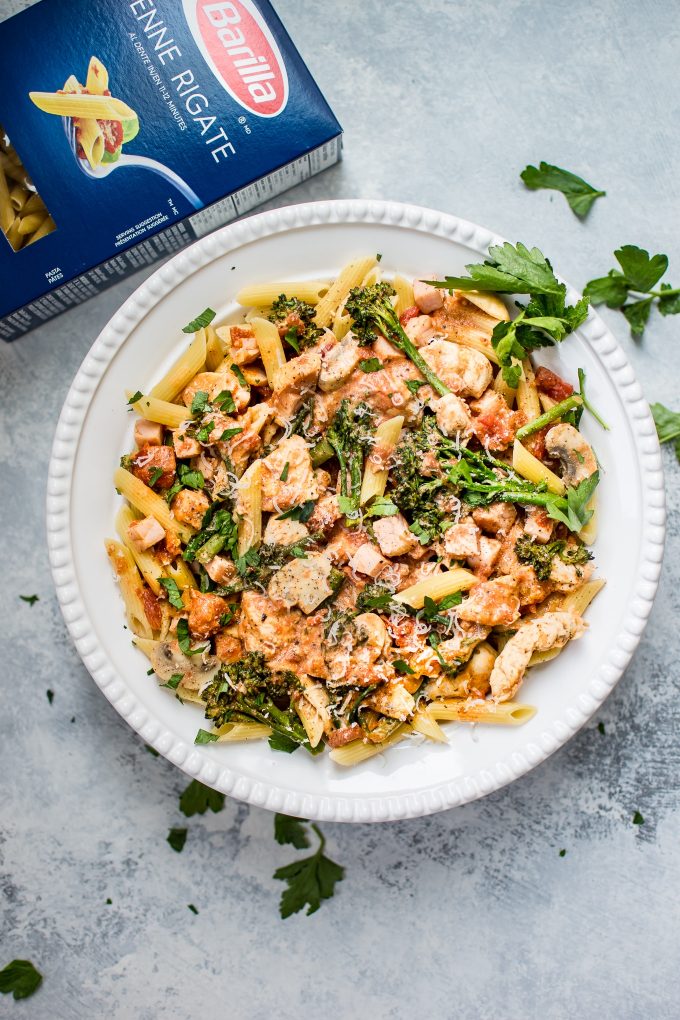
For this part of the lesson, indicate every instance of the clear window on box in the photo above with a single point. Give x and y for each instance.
(24, 217)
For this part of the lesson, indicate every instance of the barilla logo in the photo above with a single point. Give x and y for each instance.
(241, 52)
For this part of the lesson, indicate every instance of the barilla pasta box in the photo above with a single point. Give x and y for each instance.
(136, 127)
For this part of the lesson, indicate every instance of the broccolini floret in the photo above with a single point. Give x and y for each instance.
(372, 311)
(351, 436)
(295, 320)
(541, 557)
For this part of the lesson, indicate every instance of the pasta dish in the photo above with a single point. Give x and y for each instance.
(354, 511)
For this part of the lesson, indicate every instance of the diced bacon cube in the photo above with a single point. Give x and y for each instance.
(428, 298)
(143, 534)
(367, 560)
(148, 432)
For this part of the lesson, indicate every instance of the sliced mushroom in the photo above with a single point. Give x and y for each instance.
(567, 445)
(338, 364)
(167, 660)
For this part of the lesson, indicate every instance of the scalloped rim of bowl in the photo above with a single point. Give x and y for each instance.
(193, 760)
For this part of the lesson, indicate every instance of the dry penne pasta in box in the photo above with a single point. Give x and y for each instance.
(353, 516)
(136, 128)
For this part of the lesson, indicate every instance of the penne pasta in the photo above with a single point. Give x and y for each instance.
(160, 411)
(97, 81)
(262, 295)
(505, 713)
(185, 368)
(82, 105)
(589, 533)
(29, 224)
(529, 467)
(350, 276)
(18, 196)
(146, 645)
(505, 390)
(6, 207)
(148, 502)
(215, 349)
(404, 289)
(341, 324)
(270, 346)
(424, 723)
(147, 564)
(436, 587)
(130, 584)
(375, 477)
(90, 137)
(46, 227)
(239, 732)
(573, 602)
(492, 304)
(361, 750)
(249, 505)
(180, 572)
(527, 394)
(478, 343)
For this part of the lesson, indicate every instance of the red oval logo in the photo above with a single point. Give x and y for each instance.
(241, 51)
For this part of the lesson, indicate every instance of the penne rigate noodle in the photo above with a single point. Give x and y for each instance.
(505, 713)
(6, 207)
(146, 645)
(477, 343)
(341, 324)
(350, 276)
(160, 411)
(404, 289)
(97, 81)
(130, 584)
(573, 602)
(362, 750)
(436, 587)
(238, 732)
(29, 224)
(249, 505)
(185, 368)
(270, 346)
(147, 564)
(489, 303)
(531, 468)
(375, 478)
(149, 503)
(547, 403)
(15, 238)
(505, 390)
(180, 572)
(372, 276)
(18, 196)
(215, 349)
(589, 533)
(424, 723)
(82, 105)
(91, 139)
(262, 295)
(46, 227)
(527, 394)
(34, 203)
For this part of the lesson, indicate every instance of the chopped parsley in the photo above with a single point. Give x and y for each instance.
(50, 695)
(190, 478)
(402, 667)
(20, 978)
(369, 365)
(201, 402)
(283, 477)
(174, 681)
(197, 798)
(192, 908)
(205, 737)
(310, 879)
(200, 322)
(154, 476)
(638, 819)
(240, 376)
(177, 838)
(229, 434)
(184, 640)
(172, 591)
(136, 397)
(301, 513)
(224, 401)
(31, 599)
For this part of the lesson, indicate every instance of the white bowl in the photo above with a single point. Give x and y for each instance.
(414, 778)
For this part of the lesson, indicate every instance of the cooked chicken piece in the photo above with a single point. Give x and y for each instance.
(338, 738)
(221, 570)
(367, 560)
(483, 564)
(497, 518)
(567, 445)
(460, 647)
(471, 682)
(144, 534)
(419, 329)
(285, 532)
(148, 433)
(462, 540)
(465, 371)
(393, 700)
(302, 582)
(197, 672)
(385, 392)
(343, 544)
(205, 612)
(406, 633)
(452, 415)
(185, 446)
(248, 443)
(243, 349)
(300, 484)
(494, 423)
(150, 459)
(371, 634)
(384, 350)
(189, 507)
(339, 362)
(492, 603)
(215, 383)
(416, 571)
(228, 647)
(538, 525)
(567, 577)
(294, 380)
(325, 514)
(284, 636)
(552, 630)
(394, 536)
(428, 298)
(460, 319)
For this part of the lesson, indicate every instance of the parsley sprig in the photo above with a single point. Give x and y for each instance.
(579, 194)
(667, 426)
(310, 879)
(624, 288)
(20, 978)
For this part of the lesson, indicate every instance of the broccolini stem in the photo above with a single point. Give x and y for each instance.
(322, 839)
(272, 716)
(322, 452)
(211, 548)
(396, 335)
(550, 416)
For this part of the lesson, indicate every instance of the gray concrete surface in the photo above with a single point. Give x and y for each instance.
(471, 913)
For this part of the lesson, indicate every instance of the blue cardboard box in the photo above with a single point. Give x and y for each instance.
(136, 127)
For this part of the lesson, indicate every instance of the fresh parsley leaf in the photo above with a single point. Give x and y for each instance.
(20, 978)
(378, 257)
(229, 434)
(200, 322)
(301, 513)
(174, 681)
(638, 275)
(283, 477)
(154, 476)
(177, 838)
(370, 365)
(203, 434)
(200, 403)
(667, 426)
(414, 385)
(50, 695)
(600, 728)
(291, 830)
(224, 401)
(197, 798)
(240, 376)
(190, 478)
(382, 506)
(135, 397)
(375, 596)
(172, 591)
(638, 819)
(281, 742)
(563, 853)
(576, 513)
(31, 599)
(309, 880)
(291, 337)
(192, 908)
(510, 269)
(205, 737)
(402, 667)
(170, 494)
(579, 194)
(184, 639)
(347, 505)
(152, 751)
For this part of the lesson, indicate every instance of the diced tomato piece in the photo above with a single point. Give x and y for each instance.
(409, 313)
(113, 134)
(549, 383)
(536, 444)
